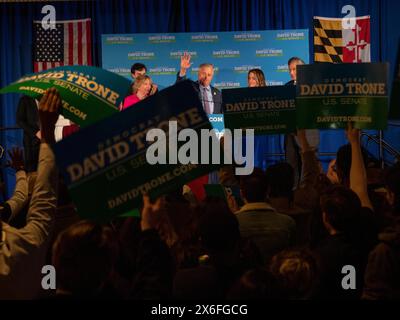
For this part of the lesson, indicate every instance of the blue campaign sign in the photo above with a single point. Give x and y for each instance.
(106, 167)
(232, 53)
(217, 122)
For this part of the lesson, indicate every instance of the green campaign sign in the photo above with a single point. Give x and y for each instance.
(106, 167)
(267, 110)
(89, 94)
(331, 95)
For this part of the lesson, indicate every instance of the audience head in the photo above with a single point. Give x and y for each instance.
(280, 179)
(256, 284)
(218, 226)
(166, 230)
(256, 78)
(205, 74)
(254, 186)
(340, 207)
(84, 257)
(180, 213)
(138, 69)
(142, 85)
(296, 271)
(292, 64)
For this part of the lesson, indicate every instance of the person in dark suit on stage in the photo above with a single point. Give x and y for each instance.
(292, 149)
(28, 120)
(210, 97)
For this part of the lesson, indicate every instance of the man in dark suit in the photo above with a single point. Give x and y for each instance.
(292, 149)
(28, 120)
(210, 97)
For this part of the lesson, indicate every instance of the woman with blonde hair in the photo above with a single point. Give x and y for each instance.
(140, 90)
(256, 78)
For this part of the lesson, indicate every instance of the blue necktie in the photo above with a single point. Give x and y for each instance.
(207, 108)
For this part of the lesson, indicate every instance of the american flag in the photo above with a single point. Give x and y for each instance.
(70, 43)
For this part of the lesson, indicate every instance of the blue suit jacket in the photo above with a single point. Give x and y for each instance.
(216, 94)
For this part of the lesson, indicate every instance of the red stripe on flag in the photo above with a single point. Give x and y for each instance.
(80, 43)
(89, 42)
(70, 61)
(76, 47)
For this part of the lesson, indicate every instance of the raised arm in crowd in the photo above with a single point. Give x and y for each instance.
(22, 251)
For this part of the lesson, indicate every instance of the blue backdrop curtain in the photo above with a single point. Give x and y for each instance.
(142, 16)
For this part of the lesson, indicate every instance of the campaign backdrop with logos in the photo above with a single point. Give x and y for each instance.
(232, 53)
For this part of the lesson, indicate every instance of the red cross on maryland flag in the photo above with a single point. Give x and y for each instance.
(357, 42)
(333, 43)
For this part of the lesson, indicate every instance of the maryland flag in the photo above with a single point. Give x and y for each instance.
(335, 44)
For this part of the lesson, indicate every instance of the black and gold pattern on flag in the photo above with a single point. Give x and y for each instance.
(328, 42)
